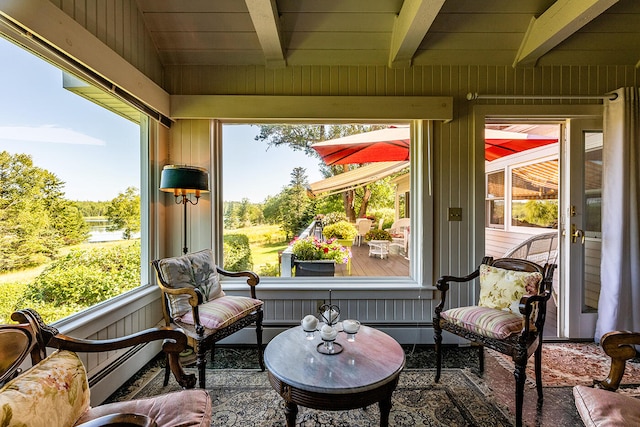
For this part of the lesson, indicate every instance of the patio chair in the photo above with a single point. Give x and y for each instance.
(399, 233)
(509, 317)
(363, 225)
(195, 302)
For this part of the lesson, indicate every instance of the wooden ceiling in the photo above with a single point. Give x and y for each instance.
(394, 33)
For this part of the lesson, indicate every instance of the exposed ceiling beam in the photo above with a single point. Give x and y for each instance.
(266, 20)
(555, 25)
(410, 27)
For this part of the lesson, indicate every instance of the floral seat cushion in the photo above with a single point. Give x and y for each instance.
(53, 393)
(196, 270)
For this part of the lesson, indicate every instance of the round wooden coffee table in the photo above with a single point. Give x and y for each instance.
(365, 372)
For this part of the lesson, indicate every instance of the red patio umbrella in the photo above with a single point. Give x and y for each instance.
(500, 143)
(384, 145)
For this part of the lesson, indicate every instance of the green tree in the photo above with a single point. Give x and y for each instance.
(70, 223)
(301, 137)
(296, 209)
(35, 219)
(124, 213)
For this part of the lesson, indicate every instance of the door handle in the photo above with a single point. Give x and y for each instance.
(576, 234)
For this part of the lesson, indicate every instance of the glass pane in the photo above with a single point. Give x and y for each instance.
(534, 192)
(279, 185)
(496, 212)
(70, 177)
(593, 219)
(495, 185)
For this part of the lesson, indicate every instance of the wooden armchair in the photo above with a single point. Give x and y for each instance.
(55, 390)
(195, 302)
(600, 405)
(509, 317)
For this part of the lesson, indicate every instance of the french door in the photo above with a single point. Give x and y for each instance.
(580, 227)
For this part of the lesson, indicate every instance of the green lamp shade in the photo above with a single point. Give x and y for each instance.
(179, 179)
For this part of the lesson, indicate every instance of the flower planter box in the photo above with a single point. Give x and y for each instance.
(315, 268)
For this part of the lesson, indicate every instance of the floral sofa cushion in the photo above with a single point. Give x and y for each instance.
(502, 289)
(195, 270)
(53, 393)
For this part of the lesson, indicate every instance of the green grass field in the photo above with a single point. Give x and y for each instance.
(265, 241)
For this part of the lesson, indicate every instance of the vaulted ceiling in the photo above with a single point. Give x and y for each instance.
(394, 33)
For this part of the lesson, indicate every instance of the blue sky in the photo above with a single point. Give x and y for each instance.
(96, 153)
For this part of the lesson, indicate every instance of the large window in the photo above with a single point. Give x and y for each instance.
(70, 201)
(280, 186)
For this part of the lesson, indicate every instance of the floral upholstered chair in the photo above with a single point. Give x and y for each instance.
(195, 302)
(509, 317)
(55, 392)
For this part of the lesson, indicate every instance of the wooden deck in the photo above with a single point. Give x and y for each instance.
(362, 264)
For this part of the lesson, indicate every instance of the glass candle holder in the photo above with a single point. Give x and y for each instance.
(351, 328)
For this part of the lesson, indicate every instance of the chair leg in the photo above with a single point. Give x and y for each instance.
(259, 341)
(201, 364)
(437, 336)
(537, 357)
(167, 369)
(481, 358)
(521, 375)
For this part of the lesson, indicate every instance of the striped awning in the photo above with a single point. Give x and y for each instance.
(355, 178)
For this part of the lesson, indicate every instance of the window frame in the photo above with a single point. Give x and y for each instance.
(421, 206)
(508, 164)
(147, 141)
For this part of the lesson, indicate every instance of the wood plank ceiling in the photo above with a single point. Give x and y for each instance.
(394, 33)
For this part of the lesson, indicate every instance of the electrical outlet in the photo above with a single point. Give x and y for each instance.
(455, 214)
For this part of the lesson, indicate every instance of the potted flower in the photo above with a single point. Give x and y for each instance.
(377, 234)
(314, 257)
(344, 231)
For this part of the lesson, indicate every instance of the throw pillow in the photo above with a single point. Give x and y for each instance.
(194, 270)
(502, 289)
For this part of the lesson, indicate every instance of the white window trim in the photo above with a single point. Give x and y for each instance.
(421, 202)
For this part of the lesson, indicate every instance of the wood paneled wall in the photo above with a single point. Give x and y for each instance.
(119, 25)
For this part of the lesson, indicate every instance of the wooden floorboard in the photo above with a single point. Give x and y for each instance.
(395, 264)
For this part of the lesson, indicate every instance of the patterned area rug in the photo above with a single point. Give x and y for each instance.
(244, 397)
(569, 364)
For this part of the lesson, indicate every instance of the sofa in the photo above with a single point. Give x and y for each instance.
(600, 405)
(54, 391)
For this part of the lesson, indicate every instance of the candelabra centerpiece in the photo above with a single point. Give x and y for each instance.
(329, 325)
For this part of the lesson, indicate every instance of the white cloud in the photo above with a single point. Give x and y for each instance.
(47, 134)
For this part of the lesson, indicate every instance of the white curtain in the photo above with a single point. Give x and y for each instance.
(619, 304)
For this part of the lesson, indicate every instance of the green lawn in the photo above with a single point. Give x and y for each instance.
(265, 242)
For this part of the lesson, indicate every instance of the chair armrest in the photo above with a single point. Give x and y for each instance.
(121, 420)
(252, 278)
(442, 284)
(174, 342)
(195, 296)
(619, 345)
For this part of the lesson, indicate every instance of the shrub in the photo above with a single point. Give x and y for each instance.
(269, 270)
(10, 294)
(333, 217)
(237, 253)
(86, 277)
(377, 234)
(340, 230)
